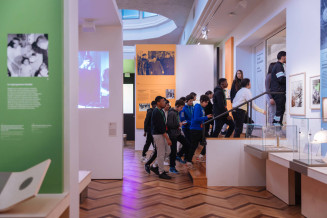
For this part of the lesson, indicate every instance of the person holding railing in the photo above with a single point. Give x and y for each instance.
(198, 119)
(242, 96)
(220, 107)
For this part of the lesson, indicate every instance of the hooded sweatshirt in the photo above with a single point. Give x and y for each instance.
(219, 101)
(198, 117)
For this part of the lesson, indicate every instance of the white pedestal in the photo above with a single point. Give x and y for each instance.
(314, 198)
(229, 165)
(281, 182)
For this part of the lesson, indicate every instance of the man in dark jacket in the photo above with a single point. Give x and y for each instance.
(174, 125)
(147, 131)
(219, 107)
(278, 84)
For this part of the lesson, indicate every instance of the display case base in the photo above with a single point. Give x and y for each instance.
(312, 163)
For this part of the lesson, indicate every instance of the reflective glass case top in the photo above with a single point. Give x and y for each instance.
(272, 138)
(311, 139)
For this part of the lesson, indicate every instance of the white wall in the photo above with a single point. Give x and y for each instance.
(194, 73)
(302, 36)
(303, 45)
(99, 152)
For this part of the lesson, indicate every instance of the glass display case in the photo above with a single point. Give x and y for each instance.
(272, 138)
(312, 142)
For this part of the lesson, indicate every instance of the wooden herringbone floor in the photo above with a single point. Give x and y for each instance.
(142, 195)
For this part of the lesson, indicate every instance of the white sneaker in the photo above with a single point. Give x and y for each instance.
(189, 165)
(166, 163)
(144, 159)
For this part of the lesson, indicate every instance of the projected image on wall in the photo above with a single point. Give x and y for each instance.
(93, 79)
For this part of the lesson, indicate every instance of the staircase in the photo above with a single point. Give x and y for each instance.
(198, 173)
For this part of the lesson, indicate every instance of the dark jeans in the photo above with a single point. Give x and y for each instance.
(196, 138)
(149, 141)
(220, 123)
(173, 152)
(280, 101)
(184, 150)
(239, 118)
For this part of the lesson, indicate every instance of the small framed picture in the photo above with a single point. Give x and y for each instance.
(315, 92)
(297, 94)
(324, 109)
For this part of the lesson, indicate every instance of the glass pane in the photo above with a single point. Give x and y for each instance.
(130, 14)
(275, 44)
(148, 14)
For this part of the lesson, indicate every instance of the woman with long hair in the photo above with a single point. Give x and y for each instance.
(236, 84)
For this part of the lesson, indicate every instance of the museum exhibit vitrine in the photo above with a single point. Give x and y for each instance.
(311, 139)
(272, 138)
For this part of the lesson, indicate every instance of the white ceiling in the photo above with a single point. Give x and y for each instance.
(222, 23)
(104, 12)
(176, 10)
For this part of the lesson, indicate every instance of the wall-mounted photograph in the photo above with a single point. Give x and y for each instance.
(27, 55)
(297, 94)
(156, 63)
(170, 93)
(144, 107)
(315, 92)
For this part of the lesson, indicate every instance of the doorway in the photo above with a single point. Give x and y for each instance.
(129, 106)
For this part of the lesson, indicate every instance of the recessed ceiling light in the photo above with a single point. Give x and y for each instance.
(232, 14)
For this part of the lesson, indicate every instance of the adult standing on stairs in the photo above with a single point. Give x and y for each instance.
(278, 84)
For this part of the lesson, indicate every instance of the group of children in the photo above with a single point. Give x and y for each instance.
(164, 126)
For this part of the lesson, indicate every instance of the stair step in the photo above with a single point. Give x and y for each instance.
(198, 175)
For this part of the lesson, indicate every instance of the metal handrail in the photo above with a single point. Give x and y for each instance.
(235, 108)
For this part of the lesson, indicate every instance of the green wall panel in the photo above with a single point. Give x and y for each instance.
(42, 134)
(129, 66)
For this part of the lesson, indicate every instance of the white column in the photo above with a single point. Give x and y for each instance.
(71, 150)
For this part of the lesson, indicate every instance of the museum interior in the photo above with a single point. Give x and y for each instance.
(163, 108)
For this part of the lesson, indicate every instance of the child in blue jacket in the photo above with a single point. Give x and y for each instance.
(186, 117)
(198, 119)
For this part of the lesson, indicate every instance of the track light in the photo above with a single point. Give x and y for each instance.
(205, 32)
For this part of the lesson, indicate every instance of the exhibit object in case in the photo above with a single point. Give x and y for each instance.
(272, 138)
(310, 138)
(16, 187)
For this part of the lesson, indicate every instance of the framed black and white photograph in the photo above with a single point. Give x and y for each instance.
(144, 107)
(27, 55)
(315, 92)
(170, 93)
(297, 94)
(156, 63)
